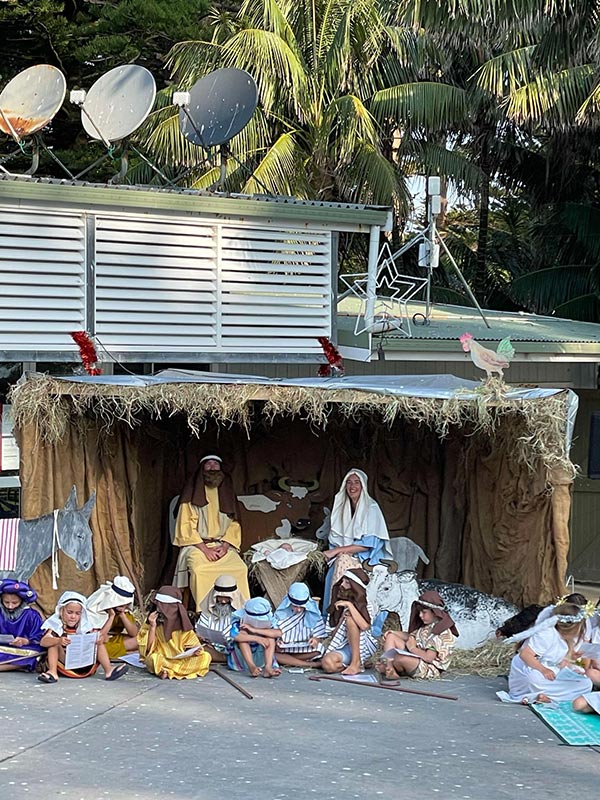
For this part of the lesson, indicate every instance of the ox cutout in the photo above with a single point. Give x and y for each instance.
(281, 512)
(35, 540)
(477, 615)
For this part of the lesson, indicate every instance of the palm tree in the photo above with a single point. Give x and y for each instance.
(316, 63)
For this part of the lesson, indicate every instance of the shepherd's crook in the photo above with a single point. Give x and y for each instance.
(232, 682)
(382, 686)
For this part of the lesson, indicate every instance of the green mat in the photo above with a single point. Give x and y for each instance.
(568, 725)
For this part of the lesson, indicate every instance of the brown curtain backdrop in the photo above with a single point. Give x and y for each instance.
(481, 518)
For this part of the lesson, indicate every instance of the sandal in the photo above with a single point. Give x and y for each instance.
(118, 672)
(47, 677)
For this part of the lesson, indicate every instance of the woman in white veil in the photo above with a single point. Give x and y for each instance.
(358, 533)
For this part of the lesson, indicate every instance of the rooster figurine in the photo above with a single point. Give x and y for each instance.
(486, 359)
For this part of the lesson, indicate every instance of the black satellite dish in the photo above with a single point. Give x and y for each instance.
(220, 105)
(28, 103)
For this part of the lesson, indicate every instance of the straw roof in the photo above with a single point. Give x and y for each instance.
(538, 425)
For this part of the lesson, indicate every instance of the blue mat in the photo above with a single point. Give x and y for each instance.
(573, 728)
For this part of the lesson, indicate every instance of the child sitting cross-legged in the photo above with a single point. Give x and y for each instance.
(21, 622)
(427, 647)
(167, 635)
(302, 628)
(253, 638)
(70, 618)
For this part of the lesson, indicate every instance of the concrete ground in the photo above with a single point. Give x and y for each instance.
(140, 737)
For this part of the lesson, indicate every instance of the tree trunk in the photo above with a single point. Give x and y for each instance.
(481, 286)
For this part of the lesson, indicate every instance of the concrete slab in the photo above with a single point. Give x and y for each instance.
(140, 737)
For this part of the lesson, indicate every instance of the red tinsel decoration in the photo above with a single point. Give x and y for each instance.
(87, 352)
(332, 354)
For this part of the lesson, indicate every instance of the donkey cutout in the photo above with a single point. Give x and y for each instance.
(74, 538)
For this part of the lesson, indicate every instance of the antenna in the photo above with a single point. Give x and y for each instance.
(114, 108)
(216, 109)
(28, 103)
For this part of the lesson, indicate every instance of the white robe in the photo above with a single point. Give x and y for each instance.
(524, 682)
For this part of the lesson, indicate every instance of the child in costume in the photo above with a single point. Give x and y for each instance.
(70, 618)
(302, 627)
(216, 610)
(545, 668)
(253, 639)
(349, 620)
(23, 623)
(166, 634)
(109, 609)
(427, 648)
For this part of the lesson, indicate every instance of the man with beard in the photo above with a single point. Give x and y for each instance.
(207, 532)
(215, 614)
(349, 619)
(21, 626)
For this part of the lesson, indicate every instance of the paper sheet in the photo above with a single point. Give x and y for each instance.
(567, 674)
(395, 651)
(6, 638)
(187, 653)
(134, 660)
(81, 652)
(210, 635)
(589, 650)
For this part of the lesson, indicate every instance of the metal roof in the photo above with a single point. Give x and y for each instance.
(25, 189)
(540, 334)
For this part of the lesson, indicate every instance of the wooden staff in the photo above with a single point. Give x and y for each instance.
(20, 658)
(382, 686)
(232, 682)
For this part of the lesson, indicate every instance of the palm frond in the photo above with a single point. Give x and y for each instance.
(546, 289)
(506, 72)
(371, 178)
(276, 170)
(552, 98)
(190, 60)
(434, 106)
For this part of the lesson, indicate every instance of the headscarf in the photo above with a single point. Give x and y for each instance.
(299, 595)
(194, 490)
(224, 586)
(367, 520)
(173, 611)
(433, 602)
(357, 595)
(55, 623)
(118, 592)
(256, 611)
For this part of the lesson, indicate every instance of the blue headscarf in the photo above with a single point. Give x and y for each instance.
(255, 611)
(299, 595)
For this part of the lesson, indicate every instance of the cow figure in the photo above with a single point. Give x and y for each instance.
(282, 511)
(477, 615)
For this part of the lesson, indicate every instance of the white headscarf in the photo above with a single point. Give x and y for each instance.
(224, 586)
(118, 592)
(55, 623)
(367, 520)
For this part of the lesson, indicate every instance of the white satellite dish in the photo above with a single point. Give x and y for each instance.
(117, 103)
(30, 100)
(219, 106)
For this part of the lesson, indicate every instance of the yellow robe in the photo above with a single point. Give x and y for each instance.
(161, 656)
(208, 525)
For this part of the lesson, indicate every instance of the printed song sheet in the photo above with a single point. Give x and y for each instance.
(81, 652)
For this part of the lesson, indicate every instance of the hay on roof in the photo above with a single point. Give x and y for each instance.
(538, 426)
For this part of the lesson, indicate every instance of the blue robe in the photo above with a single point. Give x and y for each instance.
(28, 625)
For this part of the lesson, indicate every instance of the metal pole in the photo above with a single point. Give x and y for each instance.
(372, 275)
(431, 234)
(463, 281)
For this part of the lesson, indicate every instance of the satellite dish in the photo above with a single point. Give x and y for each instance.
(31, 99)
(221, 105)
(118, 103)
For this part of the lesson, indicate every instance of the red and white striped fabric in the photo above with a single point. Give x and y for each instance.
(9, 542)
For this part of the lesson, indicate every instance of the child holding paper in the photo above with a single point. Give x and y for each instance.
(70, 619)
(426, 650)
(302, 628)
(215, 621)
(167, 642)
